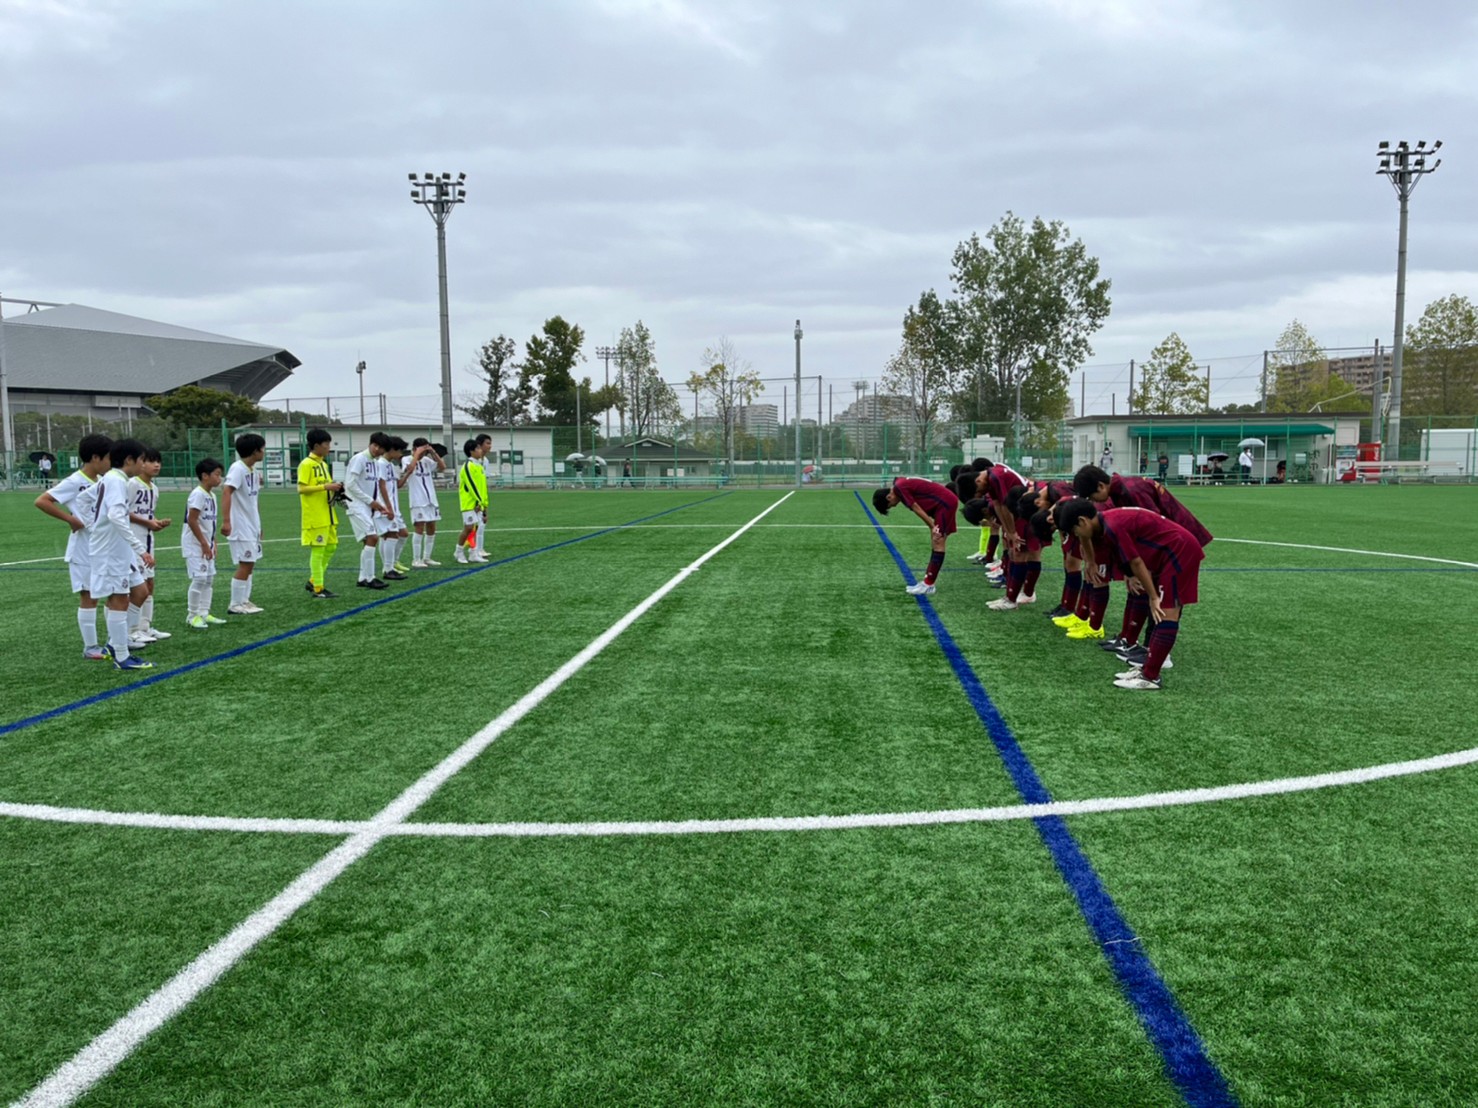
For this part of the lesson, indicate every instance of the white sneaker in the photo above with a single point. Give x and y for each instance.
(418, 565)
(197, 623)
(238, 610)
(1137, 682)
(920, 589)
(431, 562)
(251, 609)
(158, 635)
(994, 567)
(478, 557)
(138, 642)
(1032, 599)
(1002, 605)
(977, 557)
(460, 557)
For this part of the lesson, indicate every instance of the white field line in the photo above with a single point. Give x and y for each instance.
(1348, 550)
(1177, 798)
(96, 1060)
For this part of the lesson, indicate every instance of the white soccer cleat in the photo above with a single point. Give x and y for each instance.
(994, 567)
(431, 562)
(1032, 599)
(1002, 605)
(138, 642)
(460, 556)
(479, 556)
(920, 589)
(197, 623)
(1138, 682)
(158, 635)
(418, 565)
(977, 557)
(238, 610)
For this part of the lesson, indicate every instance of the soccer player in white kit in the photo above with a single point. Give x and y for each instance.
(61, 503)
(425, 463)
(118, 555)
(143, 508)
(198, 545)
(241, 522)
(392, 526)
(362, 487)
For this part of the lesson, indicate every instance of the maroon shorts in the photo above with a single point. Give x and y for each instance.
(1026, 534)
(1177, 588)
(944, 519)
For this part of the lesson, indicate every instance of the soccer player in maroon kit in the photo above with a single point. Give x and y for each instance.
(1025, 553)
(936, 506)
(1044, 495)
(993, 482)
(1161, 560)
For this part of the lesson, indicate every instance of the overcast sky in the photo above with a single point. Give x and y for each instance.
(724, 168)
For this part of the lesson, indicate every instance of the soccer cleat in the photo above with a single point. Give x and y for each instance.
(373, 583)
(478, 556)
(401, 569)
(461, 556)
(978, 557)
(1059, 611)
(309, 586)
(197, 623)
(1138, 682)
(252, 609)
(1067, 621)
(1001, 604)
(323, 594)
(138, 642)
(1128, 673)
(1024, 599)
(1133, 653)
(96, 654)
(238, 610)
(920, 589)
(432, 562)
(394, 575)
(995, 567)
(213, 621)
(418, 565)
(1085, 631)
(158, 635)
(1115, 644)
(131, 663)
(1139, 658)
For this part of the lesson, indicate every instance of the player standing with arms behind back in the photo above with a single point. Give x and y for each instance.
(241, 522)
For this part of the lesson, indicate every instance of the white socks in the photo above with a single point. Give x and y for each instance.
(117, 633)
(240, 591)
(366, 563)
(146, 613)
(87, 623)
(200, 596)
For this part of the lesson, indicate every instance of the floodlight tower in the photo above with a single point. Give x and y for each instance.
(1404, 167)
(605, 354)
(439, 194)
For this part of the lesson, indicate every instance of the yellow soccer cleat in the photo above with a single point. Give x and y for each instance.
(1068, 622)
(1085, 631)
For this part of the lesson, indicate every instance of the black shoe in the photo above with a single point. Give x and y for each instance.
(395, 575)
(1058, 612)
(374, 583)
(1114, 645)
(309, 586)
(1135, 654)
(323, 594)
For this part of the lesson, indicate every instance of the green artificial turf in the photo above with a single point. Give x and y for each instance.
(1317, 942)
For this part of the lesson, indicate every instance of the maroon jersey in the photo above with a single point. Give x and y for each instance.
(1173, 510)
(1170, 552)
(1133, 492)
(1000, 480)
(936, 501)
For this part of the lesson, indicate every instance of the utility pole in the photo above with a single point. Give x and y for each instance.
(359, 370)
(1131, 388)
(605, 354)
(439, 195)
(798, 334)
(1375, 397)
(1404, 167)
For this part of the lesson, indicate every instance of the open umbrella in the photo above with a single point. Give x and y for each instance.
(575, 456)
(1218, 456)
(596, 459)
(1252, 442)
(37, 455)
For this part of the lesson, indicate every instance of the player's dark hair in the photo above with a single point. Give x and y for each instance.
(421, 440)
(1055, 493)
(965, 485)
(880, 501)
(206, 465)
(123, 450)
(318, 435)
(1014, 496)
(954, 473)
(380, 439)
(1041, 525)
(397, 443)
(152, 455)
(93, 447)
(248, 444)
(1087, 480)
(974, 511)
(484, 437)
(1069, 512)
(979, 465)
(469, 446)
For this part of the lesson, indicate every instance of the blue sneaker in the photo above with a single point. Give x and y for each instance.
(132, 662)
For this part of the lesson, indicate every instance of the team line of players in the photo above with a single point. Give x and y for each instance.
(1112, 528)
(111, 506)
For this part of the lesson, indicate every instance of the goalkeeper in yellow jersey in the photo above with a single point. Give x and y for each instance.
(472, 495)
(317, 491)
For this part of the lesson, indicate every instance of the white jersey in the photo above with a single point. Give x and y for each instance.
(65, 492)
(245, 484)
(205, 502)
(361, 484)
(423, 483)
(143, 500)
(111, 541)
(390, 476)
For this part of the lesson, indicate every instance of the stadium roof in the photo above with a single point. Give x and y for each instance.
(79, 349)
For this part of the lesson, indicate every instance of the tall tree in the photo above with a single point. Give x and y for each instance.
(920, 369)
(730, 382)
(1170, 383)
(1295, 370)
(1439, 372)
(549, 363)
(194, 406)
(496, 367)
(1027, 300)
(649, 401)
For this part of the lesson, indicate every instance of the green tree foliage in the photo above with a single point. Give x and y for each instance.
(1027, 301)
(650, 402)
(549, 363)
(1170, 383)
(1439, 367)
(729, 382)
(919, 370)
(194, 406)
(496, 368)
(1298, 374)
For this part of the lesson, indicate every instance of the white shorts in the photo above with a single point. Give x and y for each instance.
(472, 518)
(114, 579)
(198, 567)
(248, 549)
(363, 522)
(391, 526)
(429, 514)
(81, 567)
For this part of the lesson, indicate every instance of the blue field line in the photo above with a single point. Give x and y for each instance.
(1187, 1064)
(191, 667)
